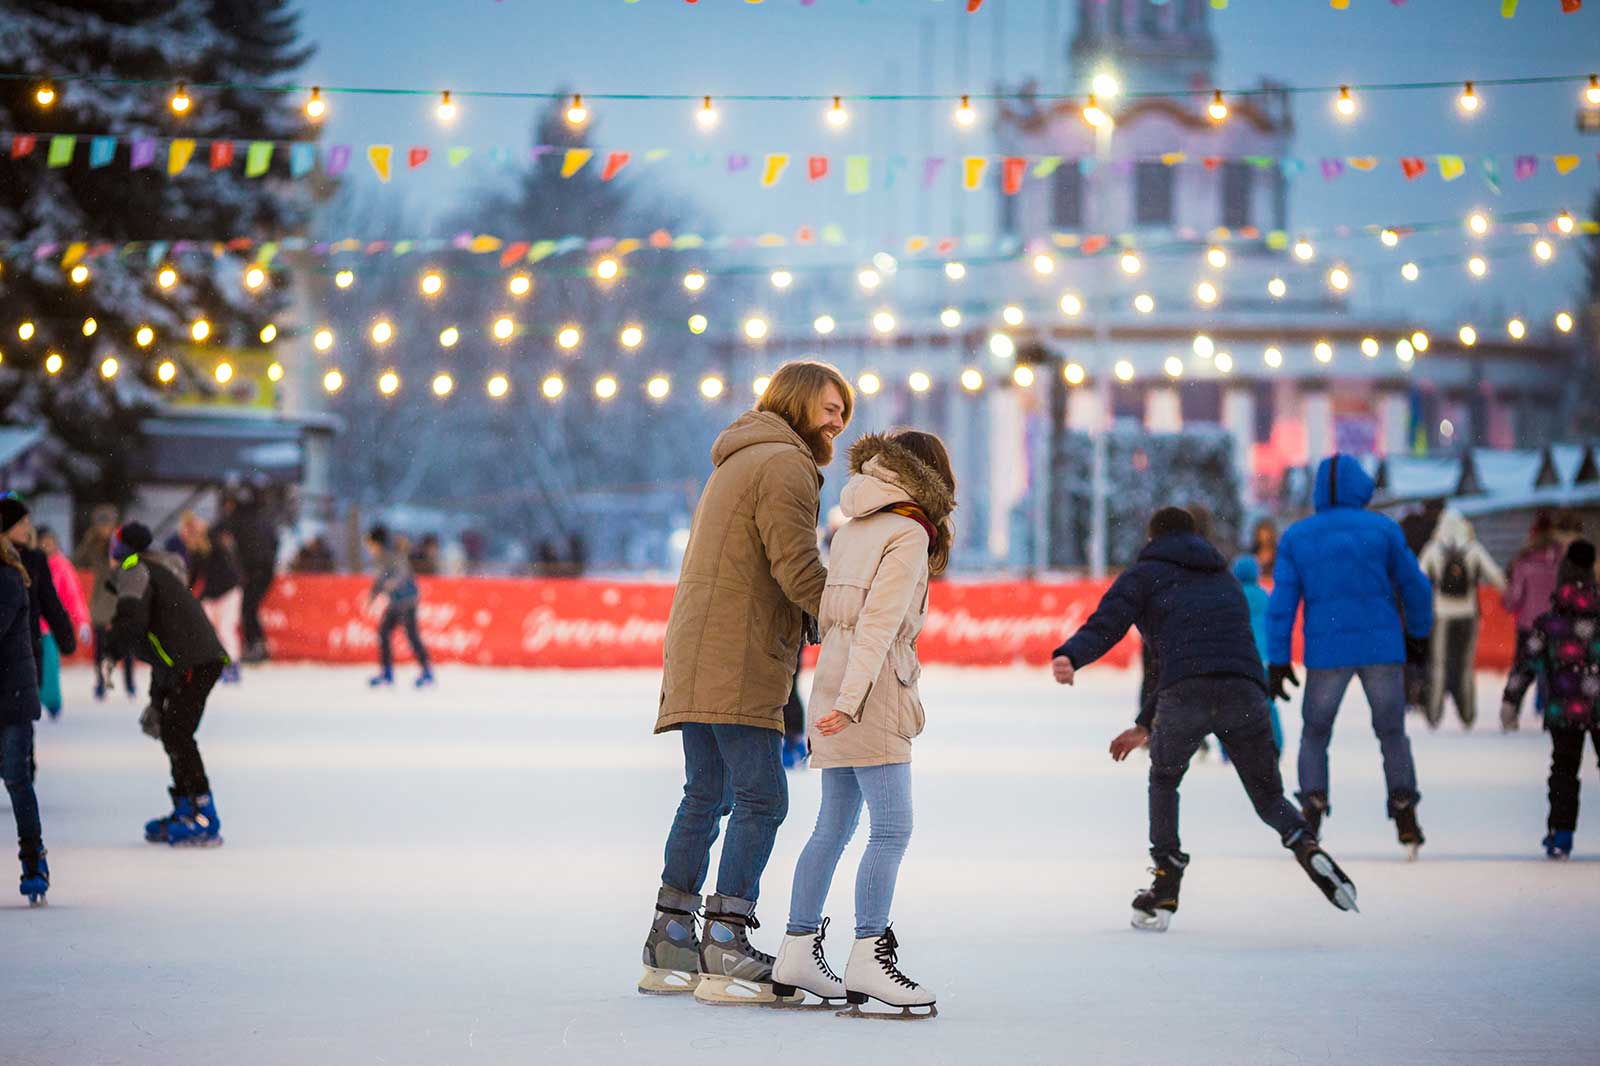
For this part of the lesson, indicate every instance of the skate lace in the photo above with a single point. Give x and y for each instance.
(817, 955)
(886, 952)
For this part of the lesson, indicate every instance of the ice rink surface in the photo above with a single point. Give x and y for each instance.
(465, 875)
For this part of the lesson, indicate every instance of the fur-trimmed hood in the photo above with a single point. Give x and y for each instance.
(884, 473)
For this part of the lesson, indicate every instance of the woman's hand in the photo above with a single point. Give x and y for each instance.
(833, 723)
(1128, 741)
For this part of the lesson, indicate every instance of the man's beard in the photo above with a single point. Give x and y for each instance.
(821, 447)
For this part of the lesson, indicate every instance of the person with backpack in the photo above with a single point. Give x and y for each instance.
(1530, 582)
(1457, 564)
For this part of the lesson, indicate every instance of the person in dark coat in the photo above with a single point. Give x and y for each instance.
(158, 620)
(396, 586)
(1563, 650)
(248, 521)
(1188, 606)
(43, 603)
(19, 709)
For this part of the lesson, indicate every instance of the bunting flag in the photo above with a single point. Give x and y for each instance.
(1011, 172)
(1332, 168)
(776, 164)
(61, 149)
(338, 159)
(1526, 166)
(1451, 167)
(379, 156)
(1413, 167)
(143, 153)
(179, 154)
(416, 155)
(1364, 162)
(1566, 164)
(22, 145)
(738, 161)
(896, 167)
(458, 155)
(221, 155)
(972, 168)
(257, 158)
(302, 160)
(614, 163)
(574, 161)
(1491, 175)
(857, 174)
(930, 170)
(817, 167)
(1046, 166)
(102, 150)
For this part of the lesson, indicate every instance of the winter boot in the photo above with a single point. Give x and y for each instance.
(381, 680)
(802, 965)
(155, 830)
(1558, 844)
(199, 828)
(1403, 809)
(731, 971)
(1154, 907)
(1313, 808)
(873, 973)
(672, 951)
(1324, 872)
(35, 872)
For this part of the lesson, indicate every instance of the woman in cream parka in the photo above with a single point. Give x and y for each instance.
(865, 709)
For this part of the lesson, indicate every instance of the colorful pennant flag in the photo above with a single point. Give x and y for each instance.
(22, 144)
(930, 170)
(61, 148)
(1491, 175)
(1011, 173)
(614, 163)
(302, 160)
(857, 174)
(458, 155)
(102, 150)
(1525, 167)
(1413, 167)
(416, 155)
(972, 168)
(776, 163)
(1046, 166)
(178, 155)
(221, 155)
(143, 153)
(1364, 162)
(1332, 168)
(1566, 164)
(817, 167)
(1451, 167)
(379, 155)
(574, 161)
(257, 158)
(338, 159)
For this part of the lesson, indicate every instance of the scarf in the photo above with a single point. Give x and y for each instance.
(920, 517)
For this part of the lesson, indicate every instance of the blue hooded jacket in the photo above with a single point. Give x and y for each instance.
(1189, 610)
(1248, 571)
(1347, 564)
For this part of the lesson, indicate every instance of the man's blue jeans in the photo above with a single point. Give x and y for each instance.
(727, 767)
(1385, 686)
(16, 767)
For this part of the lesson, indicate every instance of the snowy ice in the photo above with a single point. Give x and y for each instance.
(465, 875)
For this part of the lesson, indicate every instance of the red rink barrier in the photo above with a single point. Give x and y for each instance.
(598, 623)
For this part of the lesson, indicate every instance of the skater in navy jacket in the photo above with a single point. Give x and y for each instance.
(19, 709)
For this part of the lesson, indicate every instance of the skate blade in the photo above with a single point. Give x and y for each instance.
(37, 900)
(906, 1014)
(793, 997)
(722, 991)
(660, 982)
(1341, 892)
(1151, 923)
(197, 842)
(1412, 851)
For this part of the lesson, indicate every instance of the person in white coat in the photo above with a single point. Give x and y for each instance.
(1457, 564)
(865, 709)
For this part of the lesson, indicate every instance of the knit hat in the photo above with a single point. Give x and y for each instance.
(130, 539)
(12, 511)
(1578, 564)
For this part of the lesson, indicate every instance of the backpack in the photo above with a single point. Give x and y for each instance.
(1455, 580)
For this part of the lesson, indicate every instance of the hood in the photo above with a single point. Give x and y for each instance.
(1352, 487)
(1247, 570)
(1188, 550)
(757, 427)
(1577, 599)
(884, 473)
(1453, 529)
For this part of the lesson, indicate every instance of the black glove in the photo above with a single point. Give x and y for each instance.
(1417, 651)
(1279, 678)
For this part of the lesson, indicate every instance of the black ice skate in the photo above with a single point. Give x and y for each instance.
(1403, 809)
(1313, 808)
(1154, 907)
(732, 972)
(672, 951)
(1325, 873)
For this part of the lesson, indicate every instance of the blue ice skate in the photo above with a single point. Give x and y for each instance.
(155, 830)
(381, 680)
(425, 680)
(35, 877)
(1558, 844)
(198, 828)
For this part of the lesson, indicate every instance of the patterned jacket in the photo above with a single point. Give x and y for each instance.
(1564, 646)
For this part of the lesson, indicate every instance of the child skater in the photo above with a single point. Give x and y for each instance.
(866, 711)
(397, 587)
(19, 709)
(70, 593)
(1247, 569)
(1186, 603)
(1563, 649)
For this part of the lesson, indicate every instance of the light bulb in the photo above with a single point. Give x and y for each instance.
(1276, 288)
(1144, 303)
(446, 109)
(1074, 374)
(1044, 264)
(1173, 366)
(883, 322)
(954, 270)
(1517, 328)
(607, 269)
(823, 324)
(145, 336)
(389, 383)
(837, 116)
(180, 100)
(1206, 292)
(919, 381)
(432, 283)
(448, 337)
(1273, 358)
(1204, 346)
(1592, 93)
(1218, 109)
(345, 278)
(568, 337)
(1339, 279)
(90, 326)
(1093, 115)
(755, 327)
(109, 367)
(1001, 346)
(711, 387)
(707, 115)
(1564, 221)
(1323, 352)
(443, 384)
(1478, 266)
(1419, 341)
(1130, 263)
(53, 363)
(1564, 322)
(694, 281)
(1543, 251)
(1478, 223)
(1410, 272)
(1217, 257)
(498, 386)
(503, 328)
(658, 387)
(950, 318)
(25, 331)
(1369, 347)
(1106, 85)
(781, 279)
(322, 340)
(79, 275)
(1468, 336)
(1304, 251)
(1071, 304)
(1404, 350)
(552, 387)
(519, 285)
(1123, 370)
(759, 385)
(698, 324)
(1223, 363)
(382, 332)
(254, 278)
(971, 380)
(223, 373)
(333, 381)
(1012, 315)
(200, 329)
(45, 95)
(1345, 105)
(869, 384)
(1023, 376)
(1389, 238)
(166, 372)
(167, 277)
(605, 386)
(869, 279)
(1468, 100)
(631, 336)
(316, 107)
(965, 115)
(274, 371)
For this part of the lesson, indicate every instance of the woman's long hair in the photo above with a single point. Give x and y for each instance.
(9, 557)
(930, 449)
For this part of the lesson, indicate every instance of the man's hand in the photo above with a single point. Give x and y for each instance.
(1129, 741)
(1417, 650)
(1279, 677)
(836, 722)
(1062, 670)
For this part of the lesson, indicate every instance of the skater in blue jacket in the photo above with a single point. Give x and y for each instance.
(1248, 571)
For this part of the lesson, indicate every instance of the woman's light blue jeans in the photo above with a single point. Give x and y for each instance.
(887, 792)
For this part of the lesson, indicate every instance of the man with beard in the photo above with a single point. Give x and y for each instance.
(751, 582)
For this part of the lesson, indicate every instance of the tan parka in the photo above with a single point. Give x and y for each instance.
(873, 609)
(751, 568)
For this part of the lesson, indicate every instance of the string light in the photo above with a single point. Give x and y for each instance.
(553, 387)
(869, 279)
(607, 269)
(1468, 100)
(109, 367)
(1410, 272)
(1123, 370)
(631, 336)
(1369, 347)
(503, 328)
(711, 387)
(1564, 221)
(53, 363)
(759, 385)
(1206, 292)
(837, 116)
(1071, 304)
(1478, 266)
(166, 372)
(1093, 115)
(345, 278)
(1074, 374)
(1419, 341)
(1173, 366)
(569, 337)
(316, 107)
(954, 270)
(497, 386)
(1044, 264)
(1273, 358)
(965, 115)
(755, 327)
(1304, 251)
(1002, 346)
(694, 281)
(223, 373)
(1130, 263)
(1323, 352)
(145, 336)
(971, 379)
(333, 381)
(180, 100)
(869, 384)
(25, 331)
(1216, 257)
(1011, 314)
(605, 386)
(389, 383)
(698, 324)
(254, 278)
(823, 324)
(1592, 93)
(1106, 84)
(89, 327)
(1564, 322)
(919, 381)
(45, 95)
(1517, 328)
(1345, 104)
(1218, 109)
(443, 384)
(275, 372)
(1022, 376)
(1404, 350)
(658, 387)
(1478, 223)
(781, 279)
(1389, 238)
(1204, 346)
(1276, 288)
(950, 318)
(707, 115)
(446, 109)
(382, 332)
(432, 283)
(448, 337)
(322, 340)
(1543, 251)
(166, 277)
(1224, 363)
(79, 274)
(883, 322)
(1144, 303)
(200, 330)
(1468, 336)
